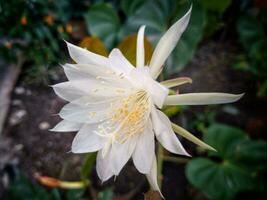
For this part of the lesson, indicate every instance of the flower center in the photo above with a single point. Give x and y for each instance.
(127, 117)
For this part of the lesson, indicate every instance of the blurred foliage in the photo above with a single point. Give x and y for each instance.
(239, 165)
(115, 22)
(33, 29)
(39, 26)
(87, 166)
(253, 38)
(105, 195)
(22, 189)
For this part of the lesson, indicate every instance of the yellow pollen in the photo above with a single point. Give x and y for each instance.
(128, 118)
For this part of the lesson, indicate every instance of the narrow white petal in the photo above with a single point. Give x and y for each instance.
(144, 151)
(83, 56)
(86, 140)
(164, 133)
(103, 166)
(140, 48)
(122, 152)
(66, 126)
(152, 176)
(184, 133)
(167, 43)
(176, 82)
(119, 62)
(202, 98)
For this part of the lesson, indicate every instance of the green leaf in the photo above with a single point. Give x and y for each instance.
(224, 138)
(103, 21)
(218, 180)
(130, 6)
(252, 154)
(105, 195)
(87, 166)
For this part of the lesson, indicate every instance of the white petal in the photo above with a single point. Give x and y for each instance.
(103, 166)
(88, 113)
(86, 140)
(152, 176)
(167, 43)
(119, 62)
(176, 82)
(122, 153)
(66, 126)
(164, 133)
(140, 48)
(72, 90)
(68, 91)
(73, 73)
(104, 75)
(83, 56)
(144, 151)
(202, 98)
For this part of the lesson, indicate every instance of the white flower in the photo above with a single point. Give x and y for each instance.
(114, 106)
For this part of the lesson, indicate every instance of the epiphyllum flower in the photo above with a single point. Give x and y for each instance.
(115, 107)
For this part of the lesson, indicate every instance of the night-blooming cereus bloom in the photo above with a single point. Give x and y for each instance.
(115, 107)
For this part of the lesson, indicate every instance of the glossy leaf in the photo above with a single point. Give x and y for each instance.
(103, 21)
(130, 6)
(218, 180)
(224, 138)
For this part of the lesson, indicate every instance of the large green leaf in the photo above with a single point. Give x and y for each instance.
(224, 139)
(102, 21)
(238, 165)
(218, 180)
(251, 154)
(130, 6)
